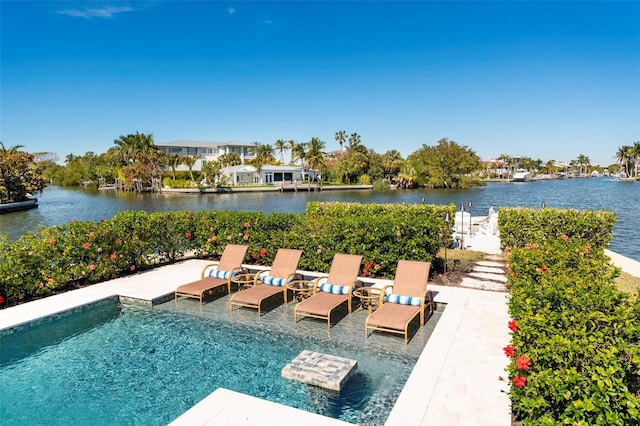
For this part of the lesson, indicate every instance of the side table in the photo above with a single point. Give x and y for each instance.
(369, 297)
(301, 289)
(243, 280)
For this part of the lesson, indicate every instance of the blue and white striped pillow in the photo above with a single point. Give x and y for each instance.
(335, 289)
(403, 300)
(268, 279)
(219, 273)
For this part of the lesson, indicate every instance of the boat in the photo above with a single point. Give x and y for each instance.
(521, 176)
(31, 202)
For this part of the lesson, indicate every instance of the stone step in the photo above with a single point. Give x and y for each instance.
(491, 264)
(488, 269)
(482, 284)
(489, 277)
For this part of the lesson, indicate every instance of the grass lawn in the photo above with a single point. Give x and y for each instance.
(628, 284)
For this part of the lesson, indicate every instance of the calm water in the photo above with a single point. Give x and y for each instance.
(139, 365)
(58, 205)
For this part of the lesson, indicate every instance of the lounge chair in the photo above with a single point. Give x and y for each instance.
(271, 282)
(332, 291)
(216, 275)
(408, 297)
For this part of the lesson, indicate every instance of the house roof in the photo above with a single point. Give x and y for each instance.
(265, 168)
(202, 144)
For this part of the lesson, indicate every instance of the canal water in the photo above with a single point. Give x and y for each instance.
(61, 205)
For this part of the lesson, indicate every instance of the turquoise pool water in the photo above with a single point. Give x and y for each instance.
(114, 364)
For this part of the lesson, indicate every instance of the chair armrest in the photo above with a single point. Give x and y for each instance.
(383, 293)
(206, 267)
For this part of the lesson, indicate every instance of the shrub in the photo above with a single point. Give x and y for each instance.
(79, 253)
(574, 348)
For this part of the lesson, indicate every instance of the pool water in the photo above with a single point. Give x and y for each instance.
(124, 364)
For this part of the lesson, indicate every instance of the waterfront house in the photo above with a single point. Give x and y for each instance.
(207, 151)
(245, 174)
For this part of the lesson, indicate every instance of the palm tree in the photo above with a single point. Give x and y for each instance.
(289, 145)
(636, 157)
(583, 160)
(623, 155)
(12, 149)
(264, 155)
(298, 152)
(280, 145)
(173, 161)
(315, 156)
(341, 137)
(189, 161)
(354, 142)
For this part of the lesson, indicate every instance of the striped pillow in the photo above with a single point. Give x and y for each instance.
(403, 300)
(335, 289)
(219, 273)
(267, 279)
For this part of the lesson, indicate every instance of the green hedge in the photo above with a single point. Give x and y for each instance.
(78, 253)
(575, 343)
(519, 226)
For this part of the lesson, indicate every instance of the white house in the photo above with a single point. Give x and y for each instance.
(245, 174)
(207, 151)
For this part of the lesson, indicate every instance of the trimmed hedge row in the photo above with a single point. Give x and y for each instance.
(79, 253)
(522, 225)
(575, 343)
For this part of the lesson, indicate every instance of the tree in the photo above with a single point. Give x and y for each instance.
(624, 155)
(18, 175)
(341, 137)
(280, 145)
(315, 156)
(354, 143)
(138, 147)
(173, 161)
(264, 155)
(392, 161)
(298, 153)
(446, 165)
(190, 161)
(585, 161)
(230, 159)
(635, 151)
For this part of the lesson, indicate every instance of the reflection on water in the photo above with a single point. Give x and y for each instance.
(58, 205)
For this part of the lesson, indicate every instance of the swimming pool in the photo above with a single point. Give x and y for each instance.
(124, 364)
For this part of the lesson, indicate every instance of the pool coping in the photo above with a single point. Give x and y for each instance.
(454, 381)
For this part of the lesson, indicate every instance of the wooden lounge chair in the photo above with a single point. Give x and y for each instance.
(216, 275)
(332, 291)
(271, 282)
(408, 297)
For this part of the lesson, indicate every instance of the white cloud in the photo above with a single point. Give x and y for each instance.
(103, 12)
(231, 10)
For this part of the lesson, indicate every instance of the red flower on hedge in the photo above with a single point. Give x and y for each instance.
(513, 325)
(113, 256)
(541, 269)
(188, 235)
(133, 267)
(92, 267)
(254, 255)
(52, 240)
(1, 300)
(564, 237)
(509, 351)
(367, 265)
(247, 224)
(86, 246)
(376, 266)
(263, 253)
(587, 249)
(523, 362)
(520, 381)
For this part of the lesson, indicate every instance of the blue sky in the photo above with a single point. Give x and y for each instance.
(548, 80)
